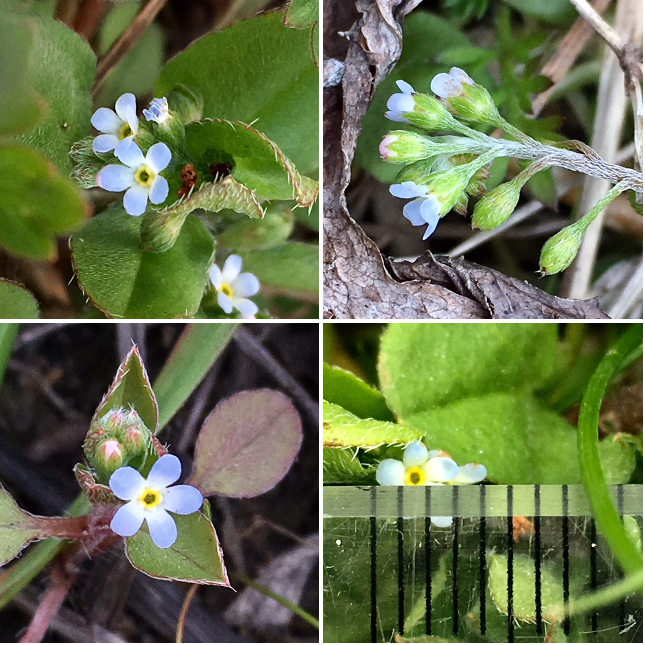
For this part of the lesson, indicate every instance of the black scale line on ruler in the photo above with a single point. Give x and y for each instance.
(399, 526)
(373, 561)
(482, 558)
(623, 602)
(565, 555)
(509, 531)
(593, 572)
(539, 627)
(428, 546)
(455, 560)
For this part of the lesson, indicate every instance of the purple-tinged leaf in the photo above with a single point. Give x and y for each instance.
(247, 444)
(131, 389)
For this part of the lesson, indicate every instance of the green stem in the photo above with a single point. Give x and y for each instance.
(299, 611)
(593, 478)
(607, 596)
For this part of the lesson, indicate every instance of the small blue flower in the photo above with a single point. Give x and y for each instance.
(423, 467)
(119, 128)
(452, 84)
(158, 110)
(234, 287)
(150, 500)
(399, 104)
(139, 176)
(425, 209)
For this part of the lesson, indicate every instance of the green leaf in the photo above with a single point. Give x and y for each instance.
(291, 267)
(16, 301)
(62, 70)
(20, 106)
(191, 358)
(131, 389)
(518, 440)
(301, 13)
(37, 204)
(560, 12)
(195, 557)
(543, 187)
(253, 234)
(342, 429)
(247, 444)
(354, 395)
(124, 281)
(340, 466)
(524, 578)
(257, 69)
(8, 333)
(258, 162)
(424, 366)
(17, 529)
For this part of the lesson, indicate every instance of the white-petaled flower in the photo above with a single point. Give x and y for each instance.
(423, 467)
(118, 128)
(151, 500)
(424, 209)
(139, 176)
(158, 110)
(452, 84)
(399, 104)
(233, 287)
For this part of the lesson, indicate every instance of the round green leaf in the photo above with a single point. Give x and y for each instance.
(16, 301)
(62, 70)
(257, 69)
(247, 444)
(126, 282)
(36, 205)
(16, 528)
(196, 556)
(254, 234)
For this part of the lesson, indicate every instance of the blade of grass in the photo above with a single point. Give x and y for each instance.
(630, 344)
(192, 357)
(8, 333)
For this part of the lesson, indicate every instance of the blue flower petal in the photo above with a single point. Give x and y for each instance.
(128, 519)
(406, 88)
(224, 302)
(246, 284)
(163, 529)
(105, 143)
(441, 469)
(441, 522)
(105, 120)
(127, 483)
(183, 499)
(159, 190)
(158, 156)
(396, 116)
(125, 106)
(390, 472)
(408, 190)
(121, 148)
(416, 454)
(130, 155)
(166, 471)
(412, 212)
(115, 178)
(135, 201)
(215, 274)
(246, 307)
(470, 474)
(401, 103)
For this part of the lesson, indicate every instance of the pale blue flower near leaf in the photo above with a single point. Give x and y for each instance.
(400, 103)
(422, 467)
(118, 127)
(158, 110)
(424, 210)
(152, 500)
(452, 84)
(139, 177)
(234, 288)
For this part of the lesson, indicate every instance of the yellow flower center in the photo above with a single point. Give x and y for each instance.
(226, 290)
(415, 476)
(125, 131)
(150, 498)
(144, 176)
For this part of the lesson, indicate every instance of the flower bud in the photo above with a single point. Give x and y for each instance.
(134, 435)
(87, 163)
(495, 208)
(465, 98)
(187, 102)
(167, 126)
(159, 230)
(106, 458)
(405, 147)
(560, 251)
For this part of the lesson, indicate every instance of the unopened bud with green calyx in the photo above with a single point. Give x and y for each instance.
(497, 206)
(560, 251)
(166, 124)
(160, 229)
(187, 102)
(422, 110)
(87, 163)
(465, 98)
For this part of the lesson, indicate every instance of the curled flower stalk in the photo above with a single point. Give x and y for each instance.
(437, 182)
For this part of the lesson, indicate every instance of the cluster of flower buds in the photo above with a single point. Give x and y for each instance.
(441, 172)
(118, 438)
